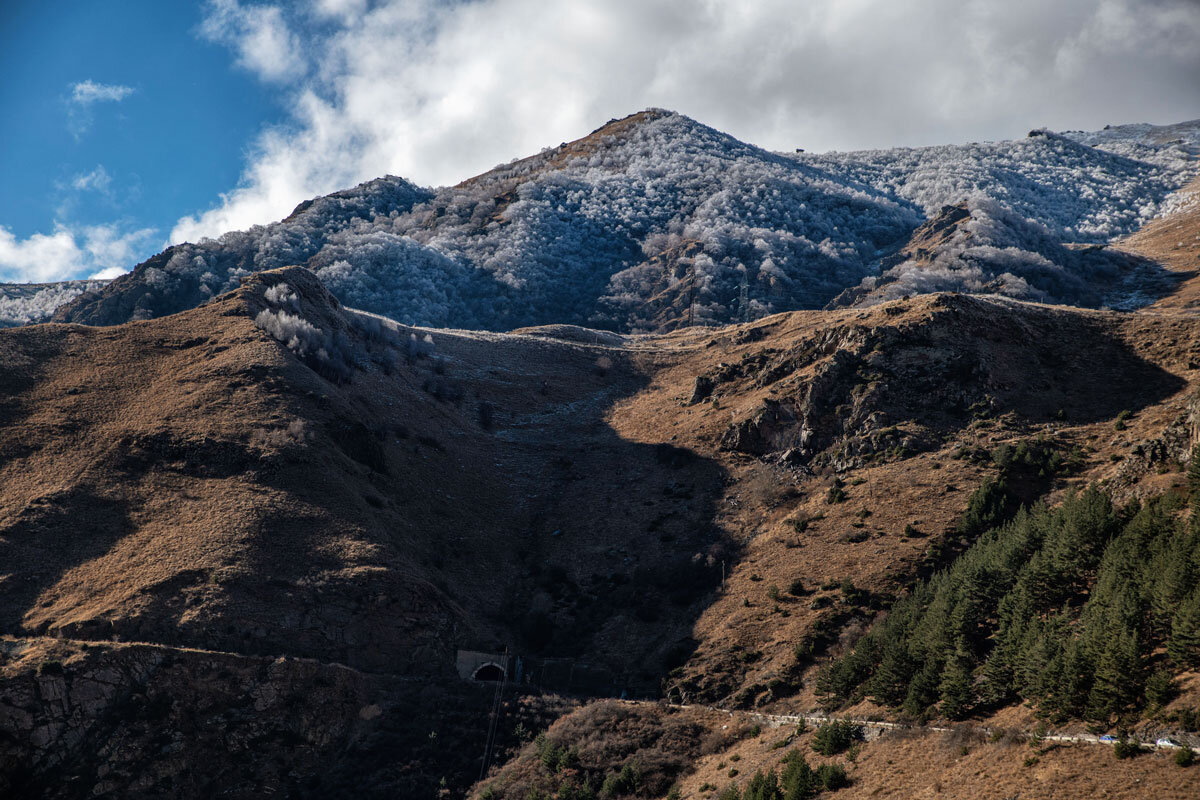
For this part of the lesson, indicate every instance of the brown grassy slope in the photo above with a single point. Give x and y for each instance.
(191, 481)
(952, 765)
(934, 766)
(722, 749)
(158, 485)
(591, 744)
(1174, 242)
(883, 400)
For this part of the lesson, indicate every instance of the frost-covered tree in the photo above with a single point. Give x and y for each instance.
(657, 219)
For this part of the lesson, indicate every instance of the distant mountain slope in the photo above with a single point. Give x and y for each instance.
(1030, 225)
(981, 246)
(27, 303)
(656, 220)
(1077, 188)
(187, 275)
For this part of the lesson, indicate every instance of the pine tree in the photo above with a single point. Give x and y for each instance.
(1173, 574)
(1193, 482)
(1118, 676)
(923, 690)
(798, 780)
(1184, 645)
(986, 507)
(995, 687)
(762, 787)
(1007, 613)
(972, 610)
(1038, 656)
(955, 688)
(1002, 673)
(1049, 683)
(1079, 675)
(890, 682)
(1040, 583)
(1071, 678)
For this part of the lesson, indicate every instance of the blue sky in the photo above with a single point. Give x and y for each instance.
(168, 146)
(129, 124)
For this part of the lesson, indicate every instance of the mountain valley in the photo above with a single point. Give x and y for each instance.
(663, 427)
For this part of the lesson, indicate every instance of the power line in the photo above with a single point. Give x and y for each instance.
(494, 721)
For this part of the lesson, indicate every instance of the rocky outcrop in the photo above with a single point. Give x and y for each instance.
(107, 720)
(854, 394)
(1174, 447)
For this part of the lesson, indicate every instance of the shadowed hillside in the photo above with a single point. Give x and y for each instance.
(271, 474)
(703, 515)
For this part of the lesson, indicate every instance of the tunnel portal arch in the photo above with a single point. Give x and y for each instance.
(490, 671)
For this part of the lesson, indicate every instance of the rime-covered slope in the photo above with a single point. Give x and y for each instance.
(656, 220)
(1030, 218)
(983, 247)
(558, 238)
(1163, 143)
(27, 303)
(1077, 189)
(187, 275)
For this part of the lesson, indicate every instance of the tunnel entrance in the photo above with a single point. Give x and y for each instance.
(489, 672)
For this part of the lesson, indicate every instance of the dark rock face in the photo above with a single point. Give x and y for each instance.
(1176, 445)
(701, 391)
(771, 429)
(147, 721)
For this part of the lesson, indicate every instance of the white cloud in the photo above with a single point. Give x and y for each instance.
(259, 34)
(39, 258)
(108, 273)
(437, 92)
(344, 9)
(87, 92)
(108, 247)
(98, 180)
(70, 252)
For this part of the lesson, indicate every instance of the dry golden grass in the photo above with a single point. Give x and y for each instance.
(745, 635)
(189, 481)
(1174, 242)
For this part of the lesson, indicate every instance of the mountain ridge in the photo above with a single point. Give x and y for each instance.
(655, 220)
(263, 542)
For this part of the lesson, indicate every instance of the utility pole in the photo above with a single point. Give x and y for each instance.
(692, 293)
(744, 298)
